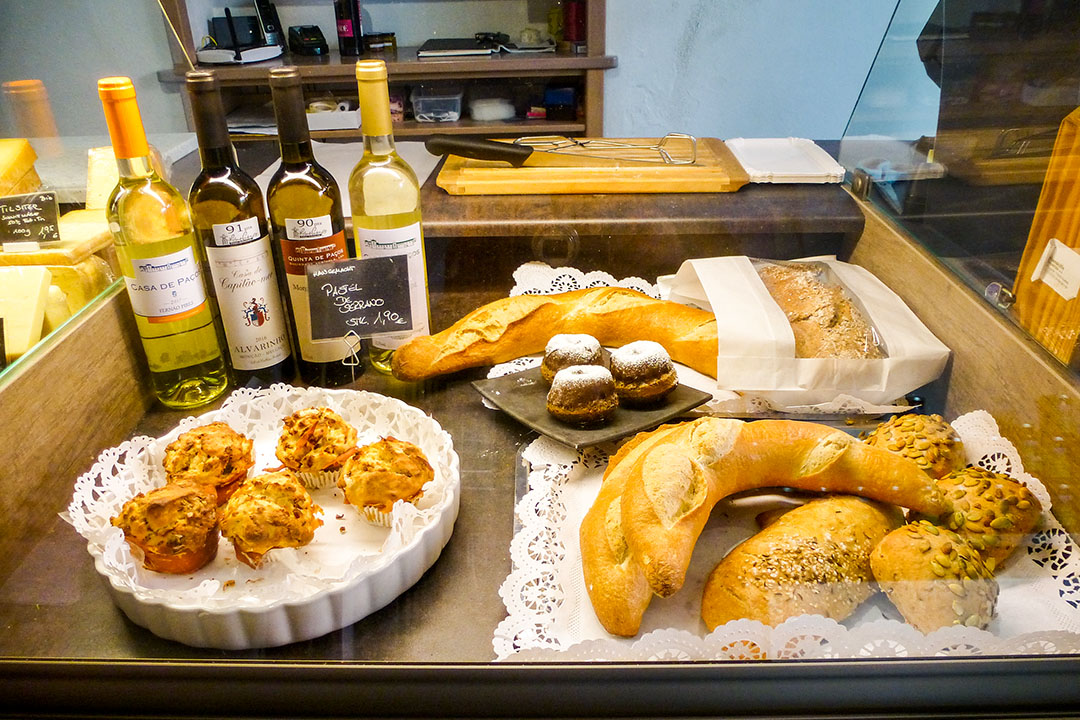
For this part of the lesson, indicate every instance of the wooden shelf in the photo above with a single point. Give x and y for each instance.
(403, 66)
(413, 129)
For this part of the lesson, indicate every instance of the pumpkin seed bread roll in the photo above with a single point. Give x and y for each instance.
(927, 439)
(992, 511)
(934, 577)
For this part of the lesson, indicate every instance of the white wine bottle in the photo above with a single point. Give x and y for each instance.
(162, 263)
(385, 198)
(306, 218)
(230, 222)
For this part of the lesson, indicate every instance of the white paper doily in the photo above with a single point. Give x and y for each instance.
(549, 616)
(227, 604)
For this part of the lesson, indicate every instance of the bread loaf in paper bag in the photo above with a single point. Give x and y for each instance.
(757, 349)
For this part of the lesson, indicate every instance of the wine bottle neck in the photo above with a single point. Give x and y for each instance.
(379, 144)
(134, 168)
(217, 157)
(296, 152)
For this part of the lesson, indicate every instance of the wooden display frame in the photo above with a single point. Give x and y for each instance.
(1052, 318)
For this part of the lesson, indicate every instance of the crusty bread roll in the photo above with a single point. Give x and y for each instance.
(521, 325)
(614, 579)
(992, 511)
(815, 559)
(934, 578)
(673, 488)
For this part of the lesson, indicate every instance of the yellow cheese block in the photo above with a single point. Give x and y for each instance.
(28, 183)
(17, 157)
(24, 292)
(101, 177)
(56, 310)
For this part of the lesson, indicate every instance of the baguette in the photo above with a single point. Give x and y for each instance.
(614, 579)
(814, 559)
(521, 325)
(672, 489)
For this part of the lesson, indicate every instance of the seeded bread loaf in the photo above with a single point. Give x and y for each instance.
(815, 559)
(823, 320)
(523, 324)
(927, 439)
(934, 577)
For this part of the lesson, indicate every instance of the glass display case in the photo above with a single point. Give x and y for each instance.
(958, 206)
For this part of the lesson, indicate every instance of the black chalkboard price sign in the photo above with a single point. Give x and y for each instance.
(29, 218)
(366, 296)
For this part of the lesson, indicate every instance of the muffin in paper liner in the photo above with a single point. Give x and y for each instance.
(380, 474)
(314, 443)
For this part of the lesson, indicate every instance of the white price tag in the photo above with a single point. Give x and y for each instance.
(237, 233)
(1059, 267)
(309, 228)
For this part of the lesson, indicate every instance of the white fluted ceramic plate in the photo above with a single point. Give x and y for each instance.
(348, 571)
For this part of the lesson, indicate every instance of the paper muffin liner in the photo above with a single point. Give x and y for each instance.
(375, 516)
(315, 480)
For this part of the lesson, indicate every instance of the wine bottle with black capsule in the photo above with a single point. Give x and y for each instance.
(308, 227)
(162, 263)
(230, 221)
(385, 198)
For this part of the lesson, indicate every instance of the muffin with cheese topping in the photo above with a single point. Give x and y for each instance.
(314, 444)
(271, 510)
(213, 454)
(380, 474)
(174, 527)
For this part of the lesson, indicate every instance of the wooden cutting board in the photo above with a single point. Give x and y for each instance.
(716, 170)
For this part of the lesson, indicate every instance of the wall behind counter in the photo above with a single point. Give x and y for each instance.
(721, 68)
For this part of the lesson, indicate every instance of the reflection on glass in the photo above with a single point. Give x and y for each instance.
(953, 131)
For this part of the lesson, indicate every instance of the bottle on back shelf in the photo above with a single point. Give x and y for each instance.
(385, 198)
(350, 26)
(308, 227)
(162, 263)
(230, 222)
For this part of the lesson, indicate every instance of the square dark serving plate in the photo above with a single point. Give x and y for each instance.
(523, 396)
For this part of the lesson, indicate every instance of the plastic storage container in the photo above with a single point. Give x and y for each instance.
(436, 104)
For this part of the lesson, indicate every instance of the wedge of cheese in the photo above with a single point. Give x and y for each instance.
(24, 293)
(17, 173)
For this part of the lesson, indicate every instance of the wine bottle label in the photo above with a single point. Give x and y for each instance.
(249, 302)
(297, 254)
(237, 233)
(167, 288)
(312, 228)
(407, 241)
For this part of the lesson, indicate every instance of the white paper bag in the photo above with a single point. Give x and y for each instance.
(756, 353)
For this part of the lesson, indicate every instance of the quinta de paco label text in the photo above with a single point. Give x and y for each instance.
(366, 296)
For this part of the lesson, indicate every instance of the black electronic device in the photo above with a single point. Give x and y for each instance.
(269, 23)
(307, 40)
(244, 33)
